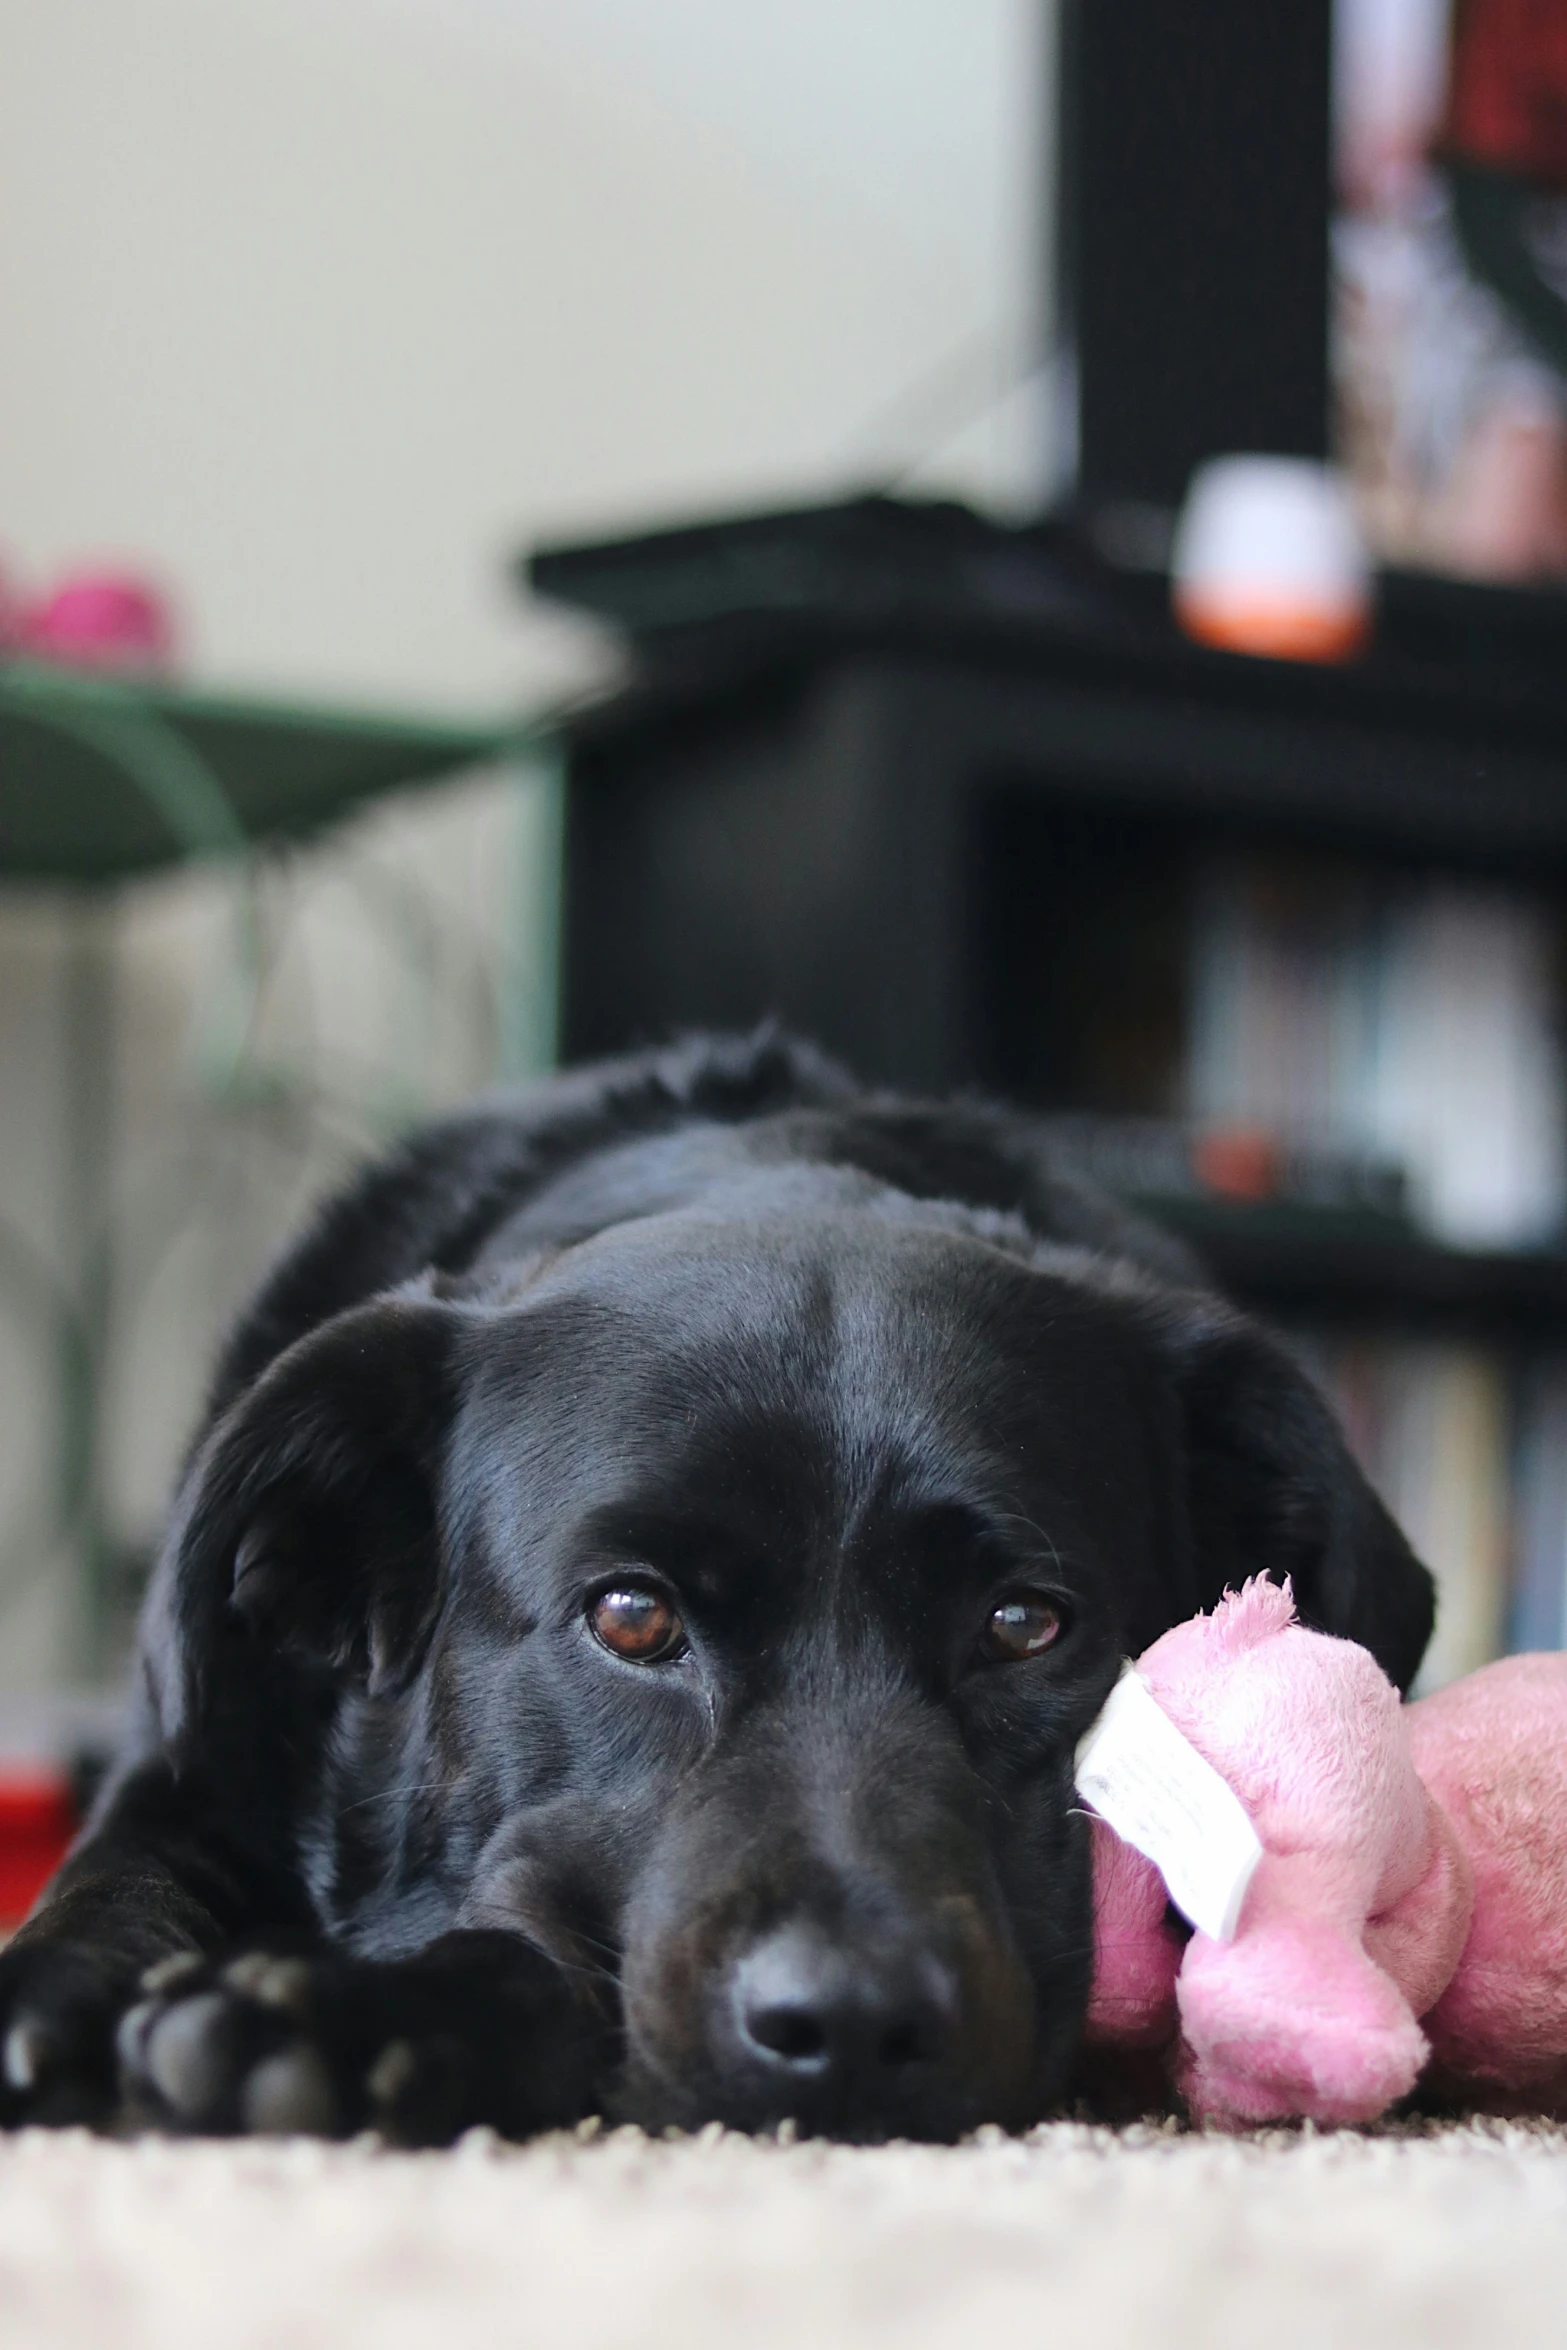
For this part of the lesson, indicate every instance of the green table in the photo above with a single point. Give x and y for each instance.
(101, 781)
(104, 782)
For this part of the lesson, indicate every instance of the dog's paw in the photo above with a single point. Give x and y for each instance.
(59, 2003)
(277, 2044)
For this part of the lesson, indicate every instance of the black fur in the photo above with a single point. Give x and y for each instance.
(401, 1842)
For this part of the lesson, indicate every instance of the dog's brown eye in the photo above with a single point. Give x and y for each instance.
(1023, 1625)
(638, 1624)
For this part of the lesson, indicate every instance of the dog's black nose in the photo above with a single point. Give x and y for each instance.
(825, 2016)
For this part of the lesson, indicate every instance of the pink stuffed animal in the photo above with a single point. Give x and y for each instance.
(1410, 1905)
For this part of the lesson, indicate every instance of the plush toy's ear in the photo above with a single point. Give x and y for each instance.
(1273, 1489)
(310, 1521)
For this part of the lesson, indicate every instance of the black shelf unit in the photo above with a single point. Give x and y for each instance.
(854, 743)
(1312, 1264)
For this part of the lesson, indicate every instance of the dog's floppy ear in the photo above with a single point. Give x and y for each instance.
(1273, 1487)
(311, 1517)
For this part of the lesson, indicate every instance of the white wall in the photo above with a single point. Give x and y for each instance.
(319, 309)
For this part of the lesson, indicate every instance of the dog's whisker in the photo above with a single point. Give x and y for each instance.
(501, 1920)
(389, 1795)
(1030, 1526)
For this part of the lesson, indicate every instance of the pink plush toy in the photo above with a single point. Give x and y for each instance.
(1409, 1909)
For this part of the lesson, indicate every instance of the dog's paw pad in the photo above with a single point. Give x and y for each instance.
(416, 2090)
(28, 2051)
(58, 2007)
(235, 2044)
(180, 2051)
(290, 2093)
(392, 2075)
(168, 1972)
(283, 1983)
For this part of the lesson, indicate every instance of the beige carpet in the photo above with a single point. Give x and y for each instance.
(1074, 2238)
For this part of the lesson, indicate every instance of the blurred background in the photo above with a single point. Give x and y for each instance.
(525, 526)
(316, 311)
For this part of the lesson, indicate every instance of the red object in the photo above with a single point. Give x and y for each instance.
(102, 620)
(37, 1822)
(1278, 627)
(1238, 1162)
(1508, 106)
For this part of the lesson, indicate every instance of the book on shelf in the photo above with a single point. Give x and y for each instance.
(1408, 1019)
(1467, 1445)
(1537, 1613)
(1373, 1039)
(1170, 1159)
(1414, 1021)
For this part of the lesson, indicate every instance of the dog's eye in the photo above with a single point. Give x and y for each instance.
(1022, 1625)
(638, 1624)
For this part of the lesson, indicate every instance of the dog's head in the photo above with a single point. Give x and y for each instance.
(719, 1604)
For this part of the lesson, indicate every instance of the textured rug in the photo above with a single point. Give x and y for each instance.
(1070, 2237)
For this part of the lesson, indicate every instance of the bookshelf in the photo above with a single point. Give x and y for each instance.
(952, 797)
(854, 747)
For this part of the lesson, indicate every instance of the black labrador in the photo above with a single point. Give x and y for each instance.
(653, 1548)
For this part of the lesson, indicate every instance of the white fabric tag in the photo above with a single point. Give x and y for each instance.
(1145, 1777)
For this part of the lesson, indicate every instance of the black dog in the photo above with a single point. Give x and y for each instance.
(653, 1549)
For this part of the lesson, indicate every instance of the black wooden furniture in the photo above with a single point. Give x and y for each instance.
(883, 771)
